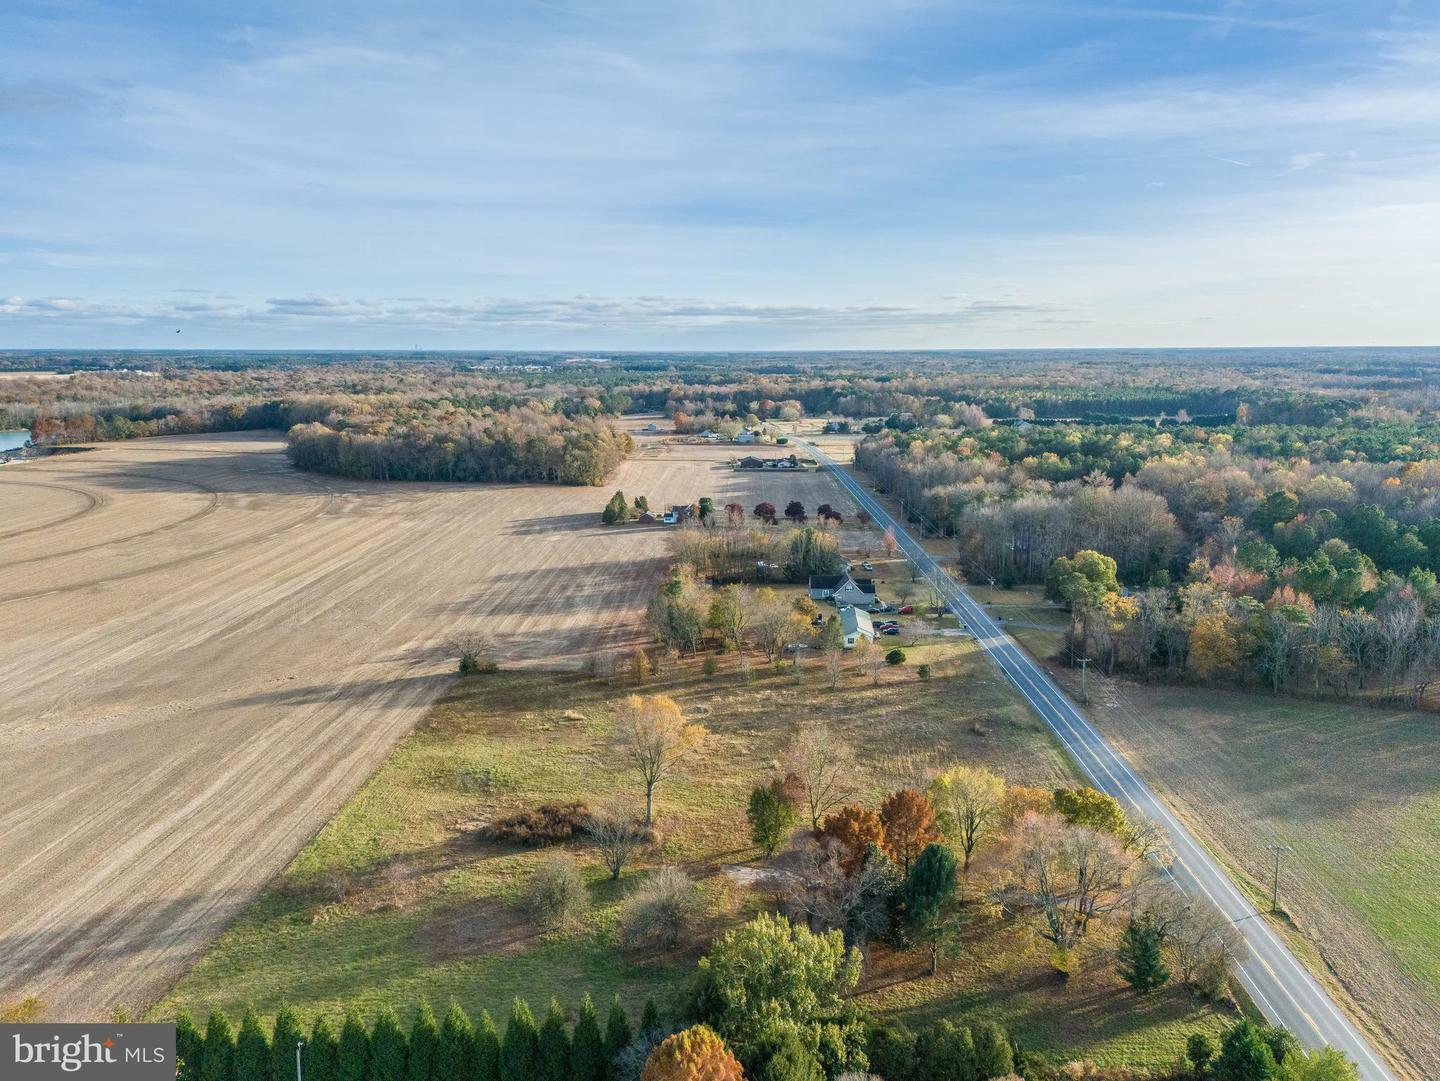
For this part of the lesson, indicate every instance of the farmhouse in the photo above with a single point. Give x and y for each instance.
(842, 589)
(678, 513)
(855, 625)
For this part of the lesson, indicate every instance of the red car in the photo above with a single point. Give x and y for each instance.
(906, 610)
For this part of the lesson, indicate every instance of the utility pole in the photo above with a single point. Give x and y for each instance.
(1084, 663)
(1275, 881)
(298, 1075)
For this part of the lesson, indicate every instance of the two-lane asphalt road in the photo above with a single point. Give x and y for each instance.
(1272, 975)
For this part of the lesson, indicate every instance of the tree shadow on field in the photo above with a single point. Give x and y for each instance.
(312, 694)
(586, 522)
(58, 963)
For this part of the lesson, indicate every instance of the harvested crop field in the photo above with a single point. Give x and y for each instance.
(1355, 794)
(206, 652)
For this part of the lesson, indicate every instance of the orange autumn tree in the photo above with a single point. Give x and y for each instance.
(909, 820)
(697, 1054)
(851, 830)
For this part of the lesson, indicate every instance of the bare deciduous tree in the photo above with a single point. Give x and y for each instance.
(1067, 877)
(618, 836)
(474, 651)
(825, 763)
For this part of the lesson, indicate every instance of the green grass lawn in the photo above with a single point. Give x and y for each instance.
(394, 901)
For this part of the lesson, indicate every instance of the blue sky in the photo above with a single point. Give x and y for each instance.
(725, 175)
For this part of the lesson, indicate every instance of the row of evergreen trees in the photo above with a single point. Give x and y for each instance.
(454, 1049)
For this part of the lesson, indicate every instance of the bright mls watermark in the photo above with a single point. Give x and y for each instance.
(87, 1052)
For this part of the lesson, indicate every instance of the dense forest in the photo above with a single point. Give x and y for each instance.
(1297, 557)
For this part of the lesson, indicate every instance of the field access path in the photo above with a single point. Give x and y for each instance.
(1271, 974)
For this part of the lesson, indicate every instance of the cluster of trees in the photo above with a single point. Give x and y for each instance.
(1215, 625)
(737, 553)
(445, 443)
(453, 1049)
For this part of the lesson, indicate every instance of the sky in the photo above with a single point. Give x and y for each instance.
(719, 174)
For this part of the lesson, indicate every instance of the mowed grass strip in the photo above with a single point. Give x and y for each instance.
(395, 901)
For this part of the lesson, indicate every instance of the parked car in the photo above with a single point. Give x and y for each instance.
(881, 606)
(906, 609)
(867, 566)
(889, 630)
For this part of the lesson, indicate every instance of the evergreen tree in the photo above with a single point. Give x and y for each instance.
(591, 1063)
(944, 1052)
(520, 1050)
(487, 1049)
(891, 1049)
(1245, 1055)
(993, 1057)
(354, 1055)
(771, 816)
(388, 1050)
(1141, 962)
(455, 1059)
(252, 1050)
(424, 1045)
(322, 1052)
(1200, 1050)
(354, 1058)
(618, 1033)
(929, 893)
(189, 1048)
(218, 1061)
(554, 1046)
(649, 1018)
(287, 1033)
(783, 1056)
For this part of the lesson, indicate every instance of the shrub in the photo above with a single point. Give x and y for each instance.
(895, 656)
(660, 912)
(556, 896)
(923, 671)
(537, 827)
(711, 666)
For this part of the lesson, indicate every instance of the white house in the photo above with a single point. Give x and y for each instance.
(842, 589)
(745, 437)
(855, 625)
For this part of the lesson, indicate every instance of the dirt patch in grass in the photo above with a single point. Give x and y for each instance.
(479, 927)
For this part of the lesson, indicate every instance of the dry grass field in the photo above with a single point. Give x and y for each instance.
(396, 900)
(205, 653)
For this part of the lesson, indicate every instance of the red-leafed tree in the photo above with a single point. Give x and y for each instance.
(909, 820)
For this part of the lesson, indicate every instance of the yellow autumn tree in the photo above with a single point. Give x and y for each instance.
(653, 740)
(1212, 645)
